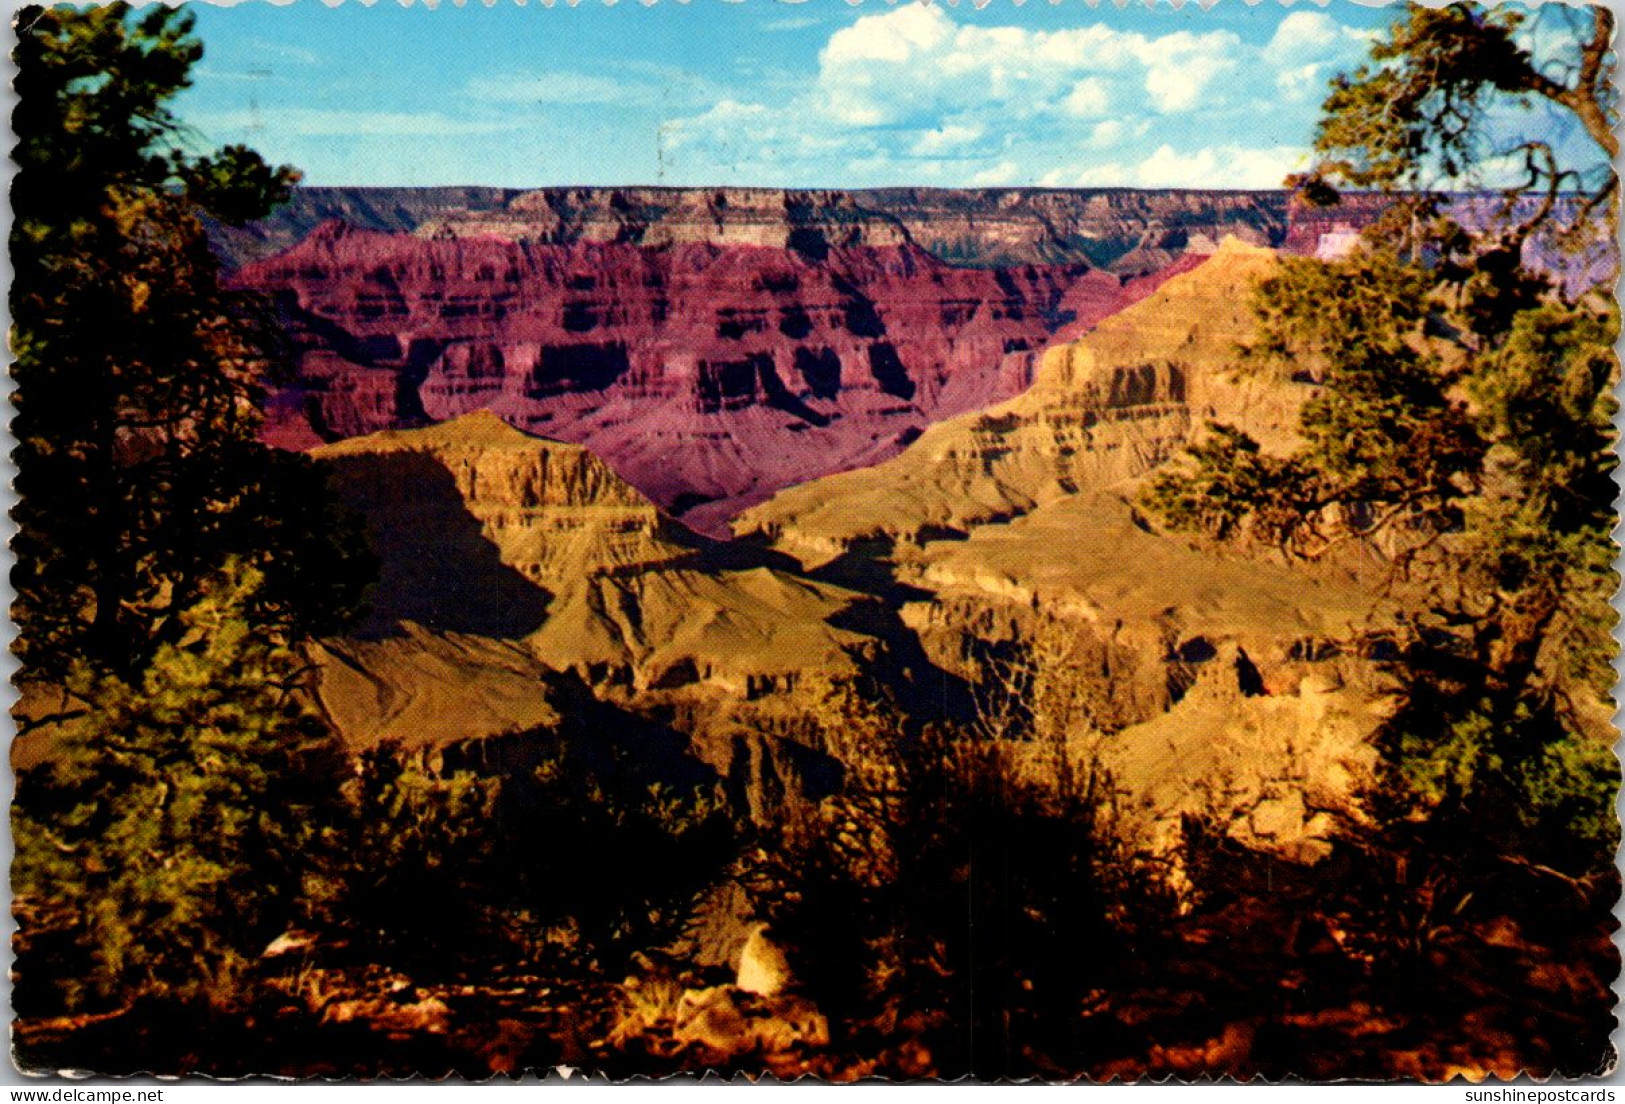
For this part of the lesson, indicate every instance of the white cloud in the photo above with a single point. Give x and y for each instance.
(1182, 66)
(1114, 132)
(1223, 166)
(950, 137)
(915, 61)
(1306, 48)
(1088, 99)
(1005, 172)
(725, 118)
(1303, 34)
(1104, 175)
(1303, 81)
(908, 87)
(893, 37)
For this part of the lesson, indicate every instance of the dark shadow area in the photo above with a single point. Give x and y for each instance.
(687, 501)
(421, 353)
(734, 323)
(810, 243)
(625, 752)
(768, 779)
(436, 566)
(794, 323)
(580, 316)
(782, 398)
(566, 368)
(728, 384)
(926, 691)
(889, 371)
(862, 319)
(375, 351)
(821, 371)
(865, 566)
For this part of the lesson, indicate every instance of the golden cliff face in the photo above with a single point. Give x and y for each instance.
(484, 531)
(1203, 679)
(548, 509)
(1205, 683)
(1106, 408)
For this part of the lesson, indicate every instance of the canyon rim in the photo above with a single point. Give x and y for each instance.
(909, 542)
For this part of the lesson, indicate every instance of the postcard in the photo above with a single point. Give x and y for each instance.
(910, 541)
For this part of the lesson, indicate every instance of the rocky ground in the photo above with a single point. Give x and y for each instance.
(1253, 987)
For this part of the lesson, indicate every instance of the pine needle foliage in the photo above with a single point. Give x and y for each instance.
(168, 564)
(1461, 432)
(167, 834)
(139, 375)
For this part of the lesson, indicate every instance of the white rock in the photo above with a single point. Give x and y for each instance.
(763, 969)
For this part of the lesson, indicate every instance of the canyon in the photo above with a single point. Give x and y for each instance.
(722, 460)
(713, 347)
(519, 572)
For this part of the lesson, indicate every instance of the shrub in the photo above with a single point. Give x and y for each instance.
(164, 842)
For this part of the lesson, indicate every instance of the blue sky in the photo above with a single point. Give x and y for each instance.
(821, 93)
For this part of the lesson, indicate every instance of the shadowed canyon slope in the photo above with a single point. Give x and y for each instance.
(517, 572)
(482, 529)
(714, 347)
(1013, 529)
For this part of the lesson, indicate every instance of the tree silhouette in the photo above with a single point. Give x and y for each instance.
(168, 564)
(138, 375)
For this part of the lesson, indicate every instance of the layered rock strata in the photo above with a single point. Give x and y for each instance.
(1220, 686)
(1126, 229)
(514, 567)
(707, 376)
(1107, 407)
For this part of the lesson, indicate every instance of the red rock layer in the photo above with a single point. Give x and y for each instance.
(708, 376)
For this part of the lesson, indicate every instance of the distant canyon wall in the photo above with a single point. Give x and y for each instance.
(1128, 230)
(713, 346)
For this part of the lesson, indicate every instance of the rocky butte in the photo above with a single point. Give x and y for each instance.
(518, 573)
(521, 573)
(711, 346)
(1014, 527)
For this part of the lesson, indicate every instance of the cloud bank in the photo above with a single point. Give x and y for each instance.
(911, 94)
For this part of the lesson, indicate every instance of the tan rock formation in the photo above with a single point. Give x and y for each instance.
(506, 557)
(763, 967)
(1108, 407)
(1206, 683)
(425, 688)
(550, 511)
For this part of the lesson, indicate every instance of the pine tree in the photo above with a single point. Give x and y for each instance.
(1461, 431)
(168, 564)
(138, 375)
(166, 837)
